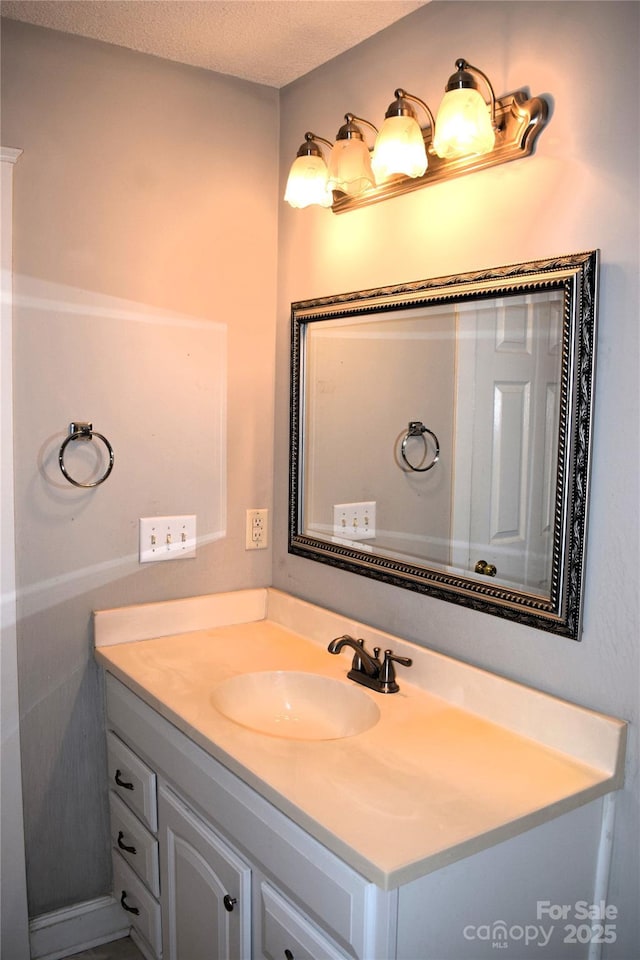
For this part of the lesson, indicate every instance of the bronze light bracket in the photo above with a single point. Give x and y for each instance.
(310, 146)
(518, 119)
(350, 129)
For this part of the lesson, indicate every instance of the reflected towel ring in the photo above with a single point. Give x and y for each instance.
(84, 431)
(418, 429)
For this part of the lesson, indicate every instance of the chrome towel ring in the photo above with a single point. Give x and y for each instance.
(84, 431)
(418, 429)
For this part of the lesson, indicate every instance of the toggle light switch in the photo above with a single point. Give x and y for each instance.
(355, 521)
(167, 538)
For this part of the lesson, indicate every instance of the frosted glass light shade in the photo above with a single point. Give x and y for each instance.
(307, 183)
(399, 149)
(350, 167)
(463, 125)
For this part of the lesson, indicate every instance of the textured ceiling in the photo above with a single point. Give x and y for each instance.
(267, 41)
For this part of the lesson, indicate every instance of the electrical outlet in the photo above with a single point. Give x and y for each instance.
(257, 529)
(167, 538)
(355, 521)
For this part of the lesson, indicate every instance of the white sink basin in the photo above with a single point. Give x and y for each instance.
(297, 706)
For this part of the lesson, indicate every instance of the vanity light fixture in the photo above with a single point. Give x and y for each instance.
(307, 183)
(468, 134)
(400, 146)
(350, 169)
(465, 126)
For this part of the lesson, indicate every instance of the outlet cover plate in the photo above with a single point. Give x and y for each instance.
(257, 529)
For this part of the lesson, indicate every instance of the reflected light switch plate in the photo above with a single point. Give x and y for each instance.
(355, 521)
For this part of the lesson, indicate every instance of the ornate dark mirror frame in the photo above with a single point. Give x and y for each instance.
(577, 276)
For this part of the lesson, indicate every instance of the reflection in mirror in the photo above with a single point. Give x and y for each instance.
(440, 436)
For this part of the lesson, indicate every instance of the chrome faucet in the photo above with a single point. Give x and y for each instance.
(369, 670)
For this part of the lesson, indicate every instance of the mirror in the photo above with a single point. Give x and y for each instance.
(440, 436)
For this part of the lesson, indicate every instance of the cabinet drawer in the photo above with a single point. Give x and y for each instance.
(134, 843)
(142, 911)
(132, 780)
(286, 933)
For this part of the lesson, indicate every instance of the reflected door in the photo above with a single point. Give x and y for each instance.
(509, 400)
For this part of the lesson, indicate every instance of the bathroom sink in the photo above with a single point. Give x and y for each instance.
(295, 705)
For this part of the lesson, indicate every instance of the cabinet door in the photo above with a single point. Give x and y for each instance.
(205, 888)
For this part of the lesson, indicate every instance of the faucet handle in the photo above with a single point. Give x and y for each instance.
(388, 673)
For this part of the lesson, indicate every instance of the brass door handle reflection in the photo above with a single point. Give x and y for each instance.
(488, 569)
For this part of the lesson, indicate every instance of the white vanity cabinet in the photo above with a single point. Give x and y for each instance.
(238, 879)
(241, 881)
(471, 815)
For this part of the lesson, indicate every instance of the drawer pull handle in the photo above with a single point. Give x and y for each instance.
(124, 846)
(288, 955)
(122, 783)
(126, 906)
(229, 902)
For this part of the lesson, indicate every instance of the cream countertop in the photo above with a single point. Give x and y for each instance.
(445, 772)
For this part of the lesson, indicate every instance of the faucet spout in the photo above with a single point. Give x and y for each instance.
(362, 661)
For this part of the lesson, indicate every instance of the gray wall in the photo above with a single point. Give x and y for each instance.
(359, 420)
(145, 275)
(579, 191)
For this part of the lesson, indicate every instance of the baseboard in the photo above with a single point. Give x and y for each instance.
(62, 933)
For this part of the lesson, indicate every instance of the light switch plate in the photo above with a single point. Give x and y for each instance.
(167, 538)
(355, 521)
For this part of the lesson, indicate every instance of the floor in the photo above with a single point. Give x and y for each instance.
(118, 950)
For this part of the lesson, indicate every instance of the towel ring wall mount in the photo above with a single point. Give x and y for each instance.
(418, 429)
(82, 431)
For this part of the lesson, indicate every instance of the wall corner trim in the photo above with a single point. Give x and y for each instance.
(9, 154)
